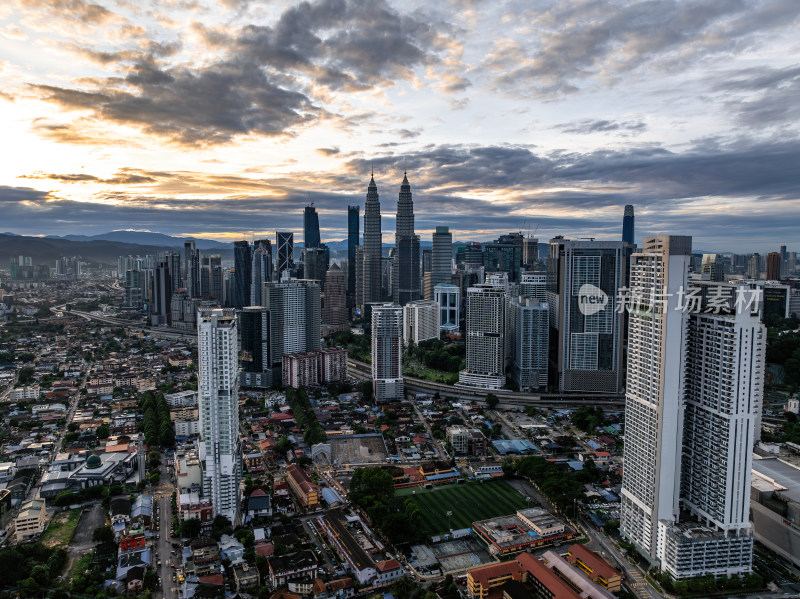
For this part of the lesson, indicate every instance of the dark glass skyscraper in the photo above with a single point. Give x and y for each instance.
(242, 269)
(311, 227)
(405, 274)
(373, 241)
(285, 243)
(261, 271)
(352, 243)
(627, 225)
(254, 323)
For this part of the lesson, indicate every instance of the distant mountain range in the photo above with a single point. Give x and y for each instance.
(45, 250)
(107, 247)
(147, 238)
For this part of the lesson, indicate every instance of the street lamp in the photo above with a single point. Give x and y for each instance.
(449, 513)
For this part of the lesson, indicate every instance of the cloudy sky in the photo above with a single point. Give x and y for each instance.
(221, 119)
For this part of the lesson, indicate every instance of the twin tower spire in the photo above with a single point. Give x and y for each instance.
(405, 286)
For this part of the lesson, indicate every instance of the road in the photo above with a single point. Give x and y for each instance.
(439, 447)
(636, 580)
(162, 543)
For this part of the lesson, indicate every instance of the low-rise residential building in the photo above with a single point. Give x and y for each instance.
(466, 441)
(29, 523)
(306, 492)
(294, 566)
(537, 580)
(191, 505)
(388, 571)
(334, 523)
(245, 576)
(595, 567)
(205, 555)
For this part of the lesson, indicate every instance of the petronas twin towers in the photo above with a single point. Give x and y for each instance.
(405, 271)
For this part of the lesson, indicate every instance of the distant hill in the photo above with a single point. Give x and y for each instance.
(46, 250)
(147, 238)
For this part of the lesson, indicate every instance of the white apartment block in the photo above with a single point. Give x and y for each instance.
(387, 353)
(486, 337)
(695, 388)
(420, 321)
(654, 391)
(218, 403)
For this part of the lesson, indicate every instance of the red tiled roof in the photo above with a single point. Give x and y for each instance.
(387, 565)
(212, 579)
(265, 549)
(598, 565)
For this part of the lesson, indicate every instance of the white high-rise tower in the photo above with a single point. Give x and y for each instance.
(218, 404)
(387, 353)
(693, 396)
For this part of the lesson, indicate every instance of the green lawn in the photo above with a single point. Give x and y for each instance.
(469, 503)
(61, 528)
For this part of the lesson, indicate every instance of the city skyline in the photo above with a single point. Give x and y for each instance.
(191, 119)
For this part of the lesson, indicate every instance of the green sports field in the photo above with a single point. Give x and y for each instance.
(469, 503)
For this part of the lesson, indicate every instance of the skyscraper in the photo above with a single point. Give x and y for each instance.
(295, 317)
(334, 299)
(441, 257)
(654, 390)
(218, 406)
(373, 241)
(405, 272)
(713, 267)
(285, 243)
(420, 321)
(693, 396)
(530, 338)
(353, 232)
(387, 353)
(486, 337)
(504, 255)
(315, 264)
(191, 270)
(310, 227)
(754, 266)
(448, 297)
(261, 271)
(530, 252)
(583, 280)
(242, 270)
(773, 266)
(254, 326)
(628, 234)
(161, 306)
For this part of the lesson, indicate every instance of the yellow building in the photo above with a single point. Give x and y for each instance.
(30, 520)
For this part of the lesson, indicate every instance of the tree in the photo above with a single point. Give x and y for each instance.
(25, 376)
(221, 526)
(367, 392)
(103, 431)
(103, 534)
(190, 528)
(492, 401)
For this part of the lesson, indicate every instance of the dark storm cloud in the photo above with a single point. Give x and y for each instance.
(588, 126)
(344, 44)
(263, 81)
(122, 177)
(479, 191)
(581, 39)
(194, 106)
